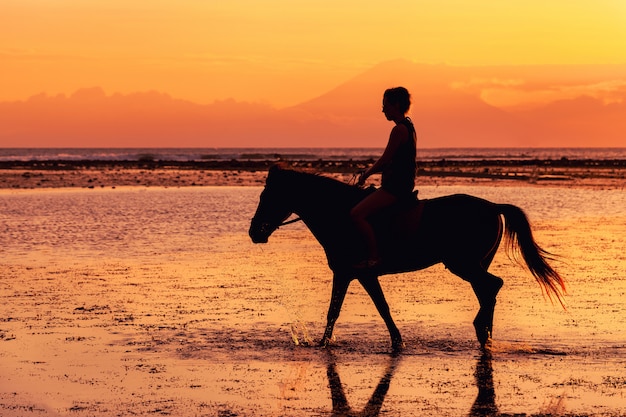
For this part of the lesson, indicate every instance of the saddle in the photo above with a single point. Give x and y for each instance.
(401, 220)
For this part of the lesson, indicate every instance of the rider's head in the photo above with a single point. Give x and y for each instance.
(398, 96)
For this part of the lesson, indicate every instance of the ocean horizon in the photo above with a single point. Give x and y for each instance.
(304, 153)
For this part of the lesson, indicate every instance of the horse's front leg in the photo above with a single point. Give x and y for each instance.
(340, 287)
(373, 288)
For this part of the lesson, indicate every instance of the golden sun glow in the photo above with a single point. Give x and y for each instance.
(284, 53)
(280, 51)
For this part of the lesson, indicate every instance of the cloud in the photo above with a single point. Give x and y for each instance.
(517, 92)
(611, 91)
(562, 114)
(487, 83)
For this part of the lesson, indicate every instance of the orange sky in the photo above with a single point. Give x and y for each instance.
(280, 51)
(504, 81)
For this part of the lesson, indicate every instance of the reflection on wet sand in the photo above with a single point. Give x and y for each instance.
(485, 404)
(341, 407)
(147, 301)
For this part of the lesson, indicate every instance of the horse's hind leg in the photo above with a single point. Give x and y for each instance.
(486, 287)
(486, 291)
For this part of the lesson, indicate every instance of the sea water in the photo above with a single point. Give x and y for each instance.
(130, 274)
(310, 154)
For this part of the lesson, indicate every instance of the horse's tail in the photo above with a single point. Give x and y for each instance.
(520, 239)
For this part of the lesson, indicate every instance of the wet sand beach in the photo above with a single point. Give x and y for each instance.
(92, 174)
(150, 299)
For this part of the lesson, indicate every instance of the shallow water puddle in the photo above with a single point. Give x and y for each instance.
(186, 317)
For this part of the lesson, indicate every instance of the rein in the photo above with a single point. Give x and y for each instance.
(297, 219)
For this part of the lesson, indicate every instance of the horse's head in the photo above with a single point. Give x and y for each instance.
(272, 210)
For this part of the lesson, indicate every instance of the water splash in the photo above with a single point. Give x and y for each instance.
(300, 334)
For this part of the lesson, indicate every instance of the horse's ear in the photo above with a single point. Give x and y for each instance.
(278, 167)
(274, 172)
(275, 168)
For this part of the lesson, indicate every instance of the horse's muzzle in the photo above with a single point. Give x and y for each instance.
(259, 232)
(257, 239)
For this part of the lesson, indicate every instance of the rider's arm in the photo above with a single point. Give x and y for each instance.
(398, 135)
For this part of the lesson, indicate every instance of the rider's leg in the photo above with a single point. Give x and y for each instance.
(370, 205)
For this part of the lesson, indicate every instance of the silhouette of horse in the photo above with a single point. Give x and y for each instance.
(461, 231)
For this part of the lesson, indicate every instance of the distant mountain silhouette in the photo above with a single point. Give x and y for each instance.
(588, 108)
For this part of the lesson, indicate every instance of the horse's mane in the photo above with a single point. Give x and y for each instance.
(313, 181)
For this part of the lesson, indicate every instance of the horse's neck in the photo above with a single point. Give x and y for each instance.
(324, 206)
(321, 196)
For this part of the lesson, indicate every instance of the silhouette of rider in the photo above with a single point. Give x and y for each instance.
(397, 165)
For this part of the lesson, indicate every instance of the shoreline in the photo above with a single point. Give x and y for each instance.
(593, 173)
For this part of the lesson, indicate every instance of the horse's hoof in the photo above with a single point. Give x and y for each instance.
(484, 337)
(397, 346)
(486, 348)
(325, 343)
